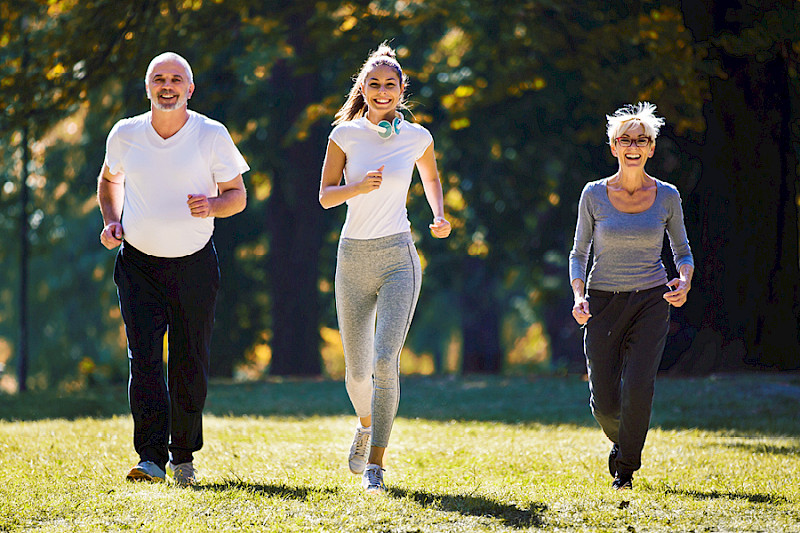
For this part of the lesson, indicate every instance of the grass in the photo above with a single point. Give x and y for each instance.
(472, 454)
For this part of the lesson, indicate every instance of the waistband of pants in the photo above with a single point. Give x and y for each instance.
(608, 294)
(129, 250)
(380, 243)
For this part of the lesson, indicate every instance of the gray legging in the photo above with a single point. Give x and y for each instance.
(376, 277)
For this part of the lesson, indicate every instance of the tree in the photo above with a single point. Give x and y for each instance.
(743, 211)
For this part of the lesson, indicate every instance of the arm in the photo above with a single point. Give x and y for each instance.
(682, 255)
(680, 285)
(580, 310)
(111, 197)
(232, 199)
(331, 190)
(429, 175)
(578, 258)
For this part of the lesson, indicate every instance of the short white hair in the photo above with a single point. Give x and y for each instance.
(168, 56)
(630, 116)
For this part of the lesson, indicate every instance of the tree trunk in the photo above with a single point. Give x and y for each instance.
(296, 225)
(480, 321)
(742, 216)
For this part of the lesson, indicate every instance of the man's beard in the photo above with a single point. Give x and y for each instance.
(182, 100)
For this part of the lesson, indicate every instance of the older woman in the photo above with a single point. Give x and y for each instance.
(624, 304)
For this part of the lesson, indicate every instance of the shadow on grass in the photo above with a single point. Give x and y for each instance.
(281, 491)
(718, 495)
(509, 515)
(769, 449)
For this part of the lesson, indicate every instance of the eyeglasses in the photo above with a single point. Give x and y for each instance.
(641, 142)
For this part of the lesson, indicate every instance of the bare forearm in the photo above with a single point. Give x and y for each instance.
(334, 195)
(228, 203)
(435, 197)
(110, 197)
(578, 289)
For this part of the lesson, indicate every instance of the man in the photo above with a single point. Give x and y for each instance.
(167, 174)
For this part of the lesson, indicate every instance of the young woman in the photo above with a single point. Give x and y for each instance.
(378, 274)
(623, 218)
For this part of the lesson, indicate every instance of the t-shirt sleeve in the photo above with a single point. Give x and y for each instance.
(425, 140)
(114, 154)
(339, 136)
(226, 160)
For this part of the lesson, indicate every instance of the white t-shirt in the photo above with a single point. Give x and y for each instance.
(161, 173)
(381, 212)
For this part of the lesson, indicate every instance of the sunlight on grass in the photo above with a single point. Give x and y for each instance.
(472, 471)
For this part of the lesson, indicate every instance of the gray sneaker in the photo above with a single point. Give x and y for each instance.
(358, 450)
(372, 480)
(146, 471)
(182, 474)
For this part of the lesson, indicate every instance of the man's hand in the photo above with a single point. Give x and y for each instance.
(111, 236)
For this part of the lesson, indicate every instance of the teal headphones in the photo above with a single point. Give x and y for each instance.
(389, 128)
(385, 128)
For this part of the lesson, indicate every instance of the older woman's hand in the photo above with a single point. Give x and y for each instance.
(580, 311)
(680, 290)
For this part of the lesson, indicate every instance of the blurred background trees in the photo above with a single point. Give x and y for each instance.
(515, 94)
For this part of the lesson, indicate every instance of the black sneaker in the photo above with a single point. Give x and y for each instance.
(622, 482)
(612, 460)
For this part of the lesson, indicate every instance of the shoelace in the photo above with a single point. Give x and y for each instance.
(361, 443)
(375, 477)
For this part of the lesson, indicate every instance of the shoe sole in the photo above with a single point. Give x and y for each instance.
(138, 475)
(357, 472)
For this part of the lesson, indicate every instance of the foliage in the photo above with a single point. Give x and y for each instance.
(514, 93)
(483, 454)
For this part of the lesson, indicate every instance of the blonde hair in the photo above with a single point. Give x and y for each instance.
(355, 106)
(630, 116)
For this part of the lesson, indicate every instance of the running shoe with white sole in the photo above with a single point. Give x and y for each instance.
(358, 450)
(146, 471)
(372, 480)
(183, 474)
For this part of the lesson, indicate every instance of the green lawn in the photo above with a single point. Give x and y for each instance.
(466, 455)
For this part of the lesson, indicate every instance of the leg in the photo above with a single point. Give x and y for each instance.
(193, 296)
(397, 300)
(142, 307)
(643, 349)
(356, 296)
(602, 342)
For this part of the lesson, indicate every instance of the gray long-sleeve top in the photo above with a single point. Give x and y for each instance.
(627, 246)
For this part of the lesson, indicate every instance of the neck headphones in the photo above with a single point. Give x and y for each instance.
(385, 128)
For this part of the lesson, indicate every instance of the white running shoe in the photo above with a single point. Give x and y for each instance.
(182, 474)
(146, 471)
(358, 450)
(372, 480)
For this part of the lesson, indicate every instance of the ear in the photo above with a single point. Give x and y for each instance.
(190, 92)
(613, 149)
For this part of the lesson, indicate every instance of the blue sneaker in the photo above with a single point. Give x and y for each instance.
(146, 471)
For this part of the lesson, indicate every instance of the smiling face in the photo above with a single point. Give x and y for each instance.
(383, 91)
(169, 87)
(633, 156)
